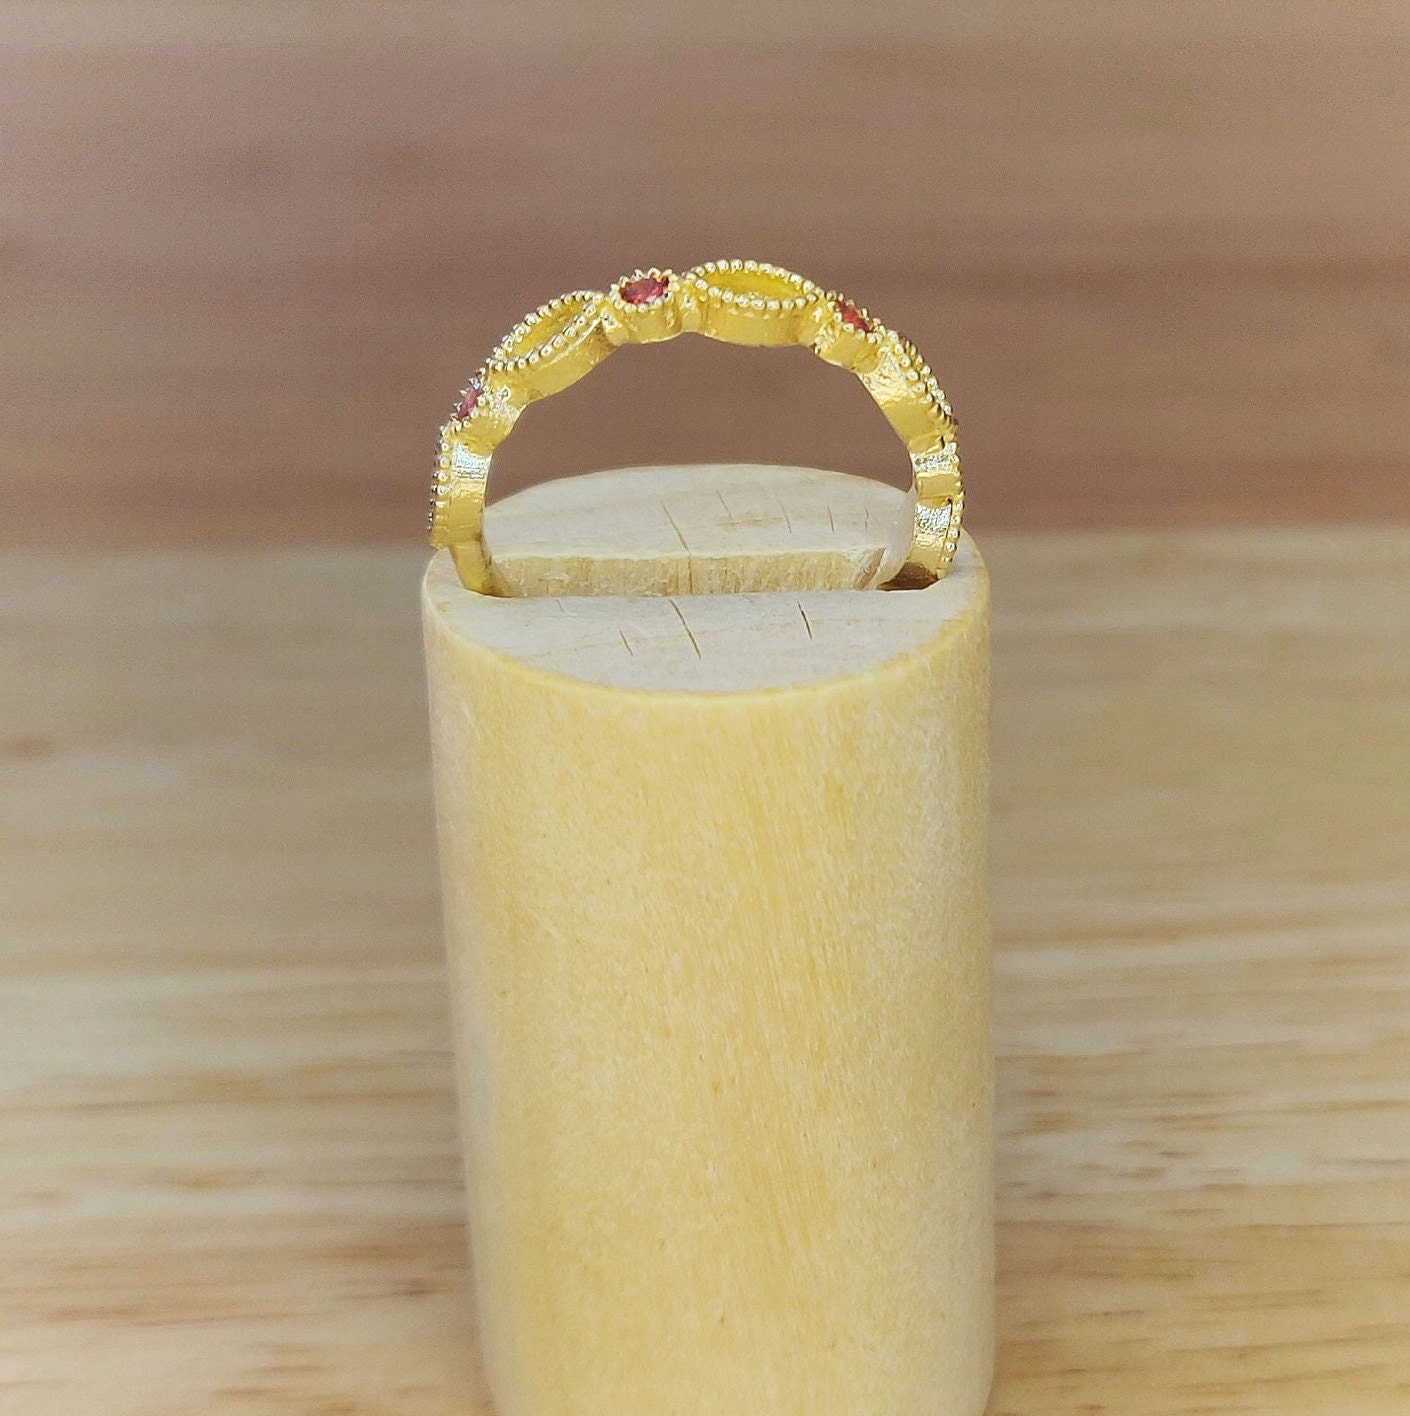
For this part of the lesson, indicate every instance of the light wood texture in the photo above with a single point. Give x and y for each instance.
(229, 1182)
(699, 530)
(249, 252)
(717, 928)
(596, 568)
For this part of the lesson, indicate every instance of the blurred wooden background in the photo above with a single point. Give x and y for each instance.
(248, 253)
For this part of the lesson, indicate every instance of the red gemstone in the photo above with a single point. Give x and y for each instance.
(474, 392)
(852, 317)
(644, 289)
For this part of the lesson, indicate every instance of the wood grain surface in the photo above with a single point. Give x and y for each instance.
(229, 1182)
(721, 530)
(713, 871)
(248, 253)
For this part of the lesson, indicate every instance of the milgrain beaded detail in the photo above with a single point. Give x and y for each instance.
(545, 330)
(737, 301)
(550, 348)
(458, 469)
(752, 302)
(752, 281)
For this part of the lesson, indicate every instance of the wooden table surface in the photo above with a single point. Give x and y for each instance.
(228, 1181)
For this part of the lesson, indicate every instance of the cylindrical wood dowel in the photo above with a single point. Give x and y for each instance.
(714, 876)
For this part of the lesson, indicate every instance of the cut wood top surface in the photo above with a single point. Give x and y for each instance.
(626, 577)
(699, 529)
(230, 1186)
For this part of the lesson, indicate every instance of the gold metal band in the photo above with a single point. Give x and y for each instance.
(740, 302)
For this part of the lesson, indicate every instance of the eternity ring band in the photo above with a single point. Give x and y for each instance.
(740, 302)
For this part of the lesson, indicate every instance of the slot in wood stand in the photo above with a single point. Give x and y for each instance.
(714, 879)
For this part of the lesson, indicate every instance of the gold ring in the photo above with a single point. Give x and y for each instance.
(740, 302)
